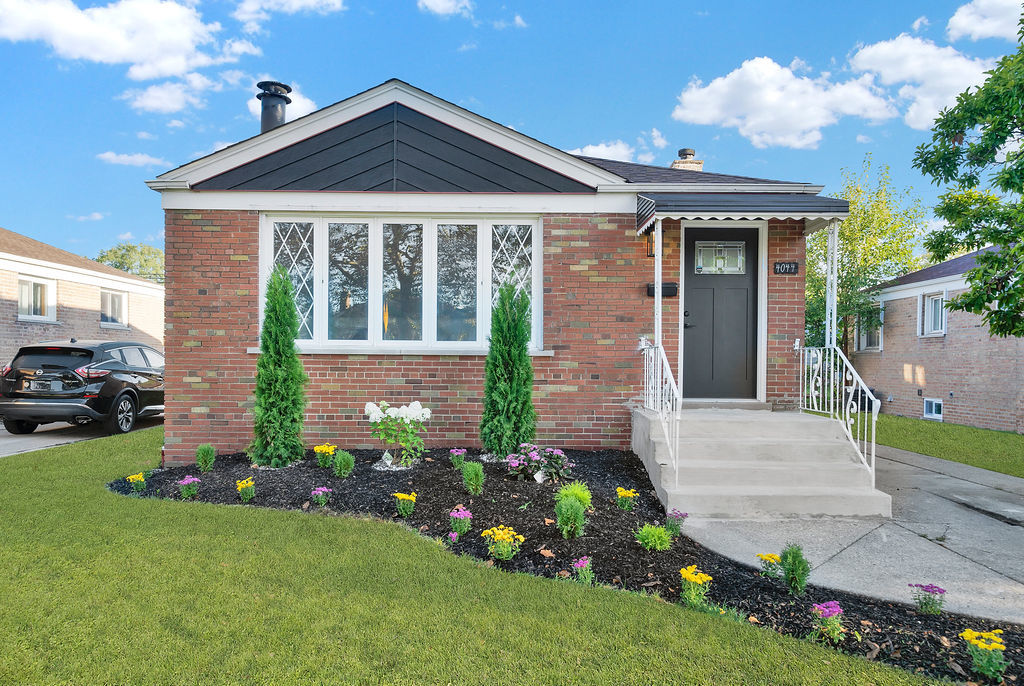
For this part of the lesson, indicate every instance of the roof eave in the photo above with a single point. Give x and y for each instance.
(710, 188)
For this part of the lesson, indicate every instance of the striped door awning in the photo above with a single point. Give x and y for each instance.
(818, 210)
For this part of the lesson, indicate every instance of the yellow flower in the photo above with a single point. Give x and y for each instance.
(503, 534)
(986, 640)
(694, 575)
(769, 557)
(245, 483)
(325, 448)
(134, 478)
(406, 496)
(623, 493)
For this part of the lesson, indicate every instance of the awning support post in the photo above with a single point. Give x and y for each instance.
(658, 246)
(832, 284)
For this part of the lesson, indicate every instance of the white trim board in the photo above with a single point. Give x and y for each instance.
(918, 288)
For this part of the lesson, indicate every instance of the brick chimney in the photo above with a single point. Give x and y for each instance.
(686, 161)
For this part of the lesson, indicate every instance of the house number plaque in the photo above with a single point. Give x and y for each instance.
(786, 267)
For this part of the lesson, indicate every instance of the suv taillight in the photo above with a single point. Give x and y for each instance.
(5, 370)
(89, 372)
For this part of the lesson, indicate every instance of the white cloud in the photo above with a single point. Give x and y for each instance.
(157, 38)
(145, 136)
(931, 75)
(126, 236)
(645, 157)
(985, 19)
(610, 150)
(657, 139)
(861, 138)
(466, 47)
(299, 107)
(771, 106)
(253, 13)
(91, 217)
(155, 237)
(519, 22)
(446, 8)
(175, 124)
(798, 65)
(163, 98)
(920, 23)
(137, 159)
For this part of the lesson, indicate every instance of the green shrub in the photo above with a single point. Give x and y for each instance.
(280, 380)
(653, 537)
(457, 456)
(570, 517)
(344, 463)
(508, 417)
(795, 569)
(205, 456)
(577, 490)
(473, 477)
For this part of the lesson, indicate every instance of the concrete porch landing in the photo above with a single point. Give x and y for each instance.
(750, 463)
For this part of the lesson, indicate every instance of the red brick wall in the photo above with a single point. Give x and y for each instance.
(595, 308)
(984, 374)
(786, 243)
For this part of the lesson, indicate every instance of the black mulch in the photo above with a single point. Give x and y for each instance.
(889, 632)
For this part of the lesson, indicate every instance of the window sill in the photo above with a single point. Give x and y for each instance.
(931, 419)
(107, 325)
(870, 350)
(410, 350)
(36, 320)
(936, 334)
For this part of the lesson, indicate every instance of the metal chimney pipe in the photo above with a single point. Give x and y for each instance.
(274, 97)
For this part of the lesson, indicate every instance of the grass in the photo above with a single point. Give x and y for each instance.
(999, 451)
(101, 588)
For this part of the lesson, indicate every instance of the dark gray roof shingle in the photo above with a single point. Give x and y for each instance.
(953, 267)
(645, 173)
(23, 246)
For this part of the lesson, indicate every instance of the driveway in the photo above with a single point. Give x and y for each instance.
(59, 433)
(953, 525)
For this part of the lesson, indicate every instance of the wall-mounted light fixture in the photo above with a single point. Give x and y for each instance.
(650, 243)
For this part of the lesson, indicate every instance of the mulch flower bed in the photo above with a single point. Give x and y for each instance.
(889, 632)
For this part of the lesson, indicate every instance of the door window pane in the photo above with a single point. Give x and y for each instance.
(403, 282)
(293, 249)
(347, 281)
(511, 257)
(456, 282)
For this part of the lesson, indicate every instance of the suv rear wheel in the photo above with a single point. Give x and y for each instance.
(19, 426)
(121, 419)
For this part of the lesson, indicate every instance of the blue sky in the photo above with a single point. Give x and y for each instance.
(104, 95)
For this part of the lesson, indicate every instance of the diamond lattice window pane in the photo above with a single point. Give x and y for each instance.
(511, 258)
(293, 250)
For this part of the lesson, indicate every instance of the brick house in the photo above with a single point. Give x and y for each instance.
(49, 294)
(929, 362)
(398, 214)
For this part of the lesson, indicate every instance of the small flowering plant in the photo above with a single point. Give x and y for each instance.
(461, 520)
(928, 598)
(828, 622)
(138, 481)
(324, 454)
(532, 459)
(405, 503)
(695, 586)
(582, 573)
(771, 565)
(987, 652)
(451, 538)
(246, 489)
(320, 495)
(502, 542)
(674, 521)
(188, 487)
(457, 456)
(625, 499)
(401, 425)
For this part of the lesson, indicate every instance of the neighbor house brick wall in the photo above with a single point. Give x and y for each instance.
(78, 316)
(985, 374)
(595, 308)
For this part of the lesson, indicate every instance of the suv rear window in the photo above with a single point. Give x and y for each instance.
(51, 358)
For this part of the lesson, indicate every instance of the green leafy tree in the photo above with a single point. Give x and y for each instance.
(876, 243)
(135, 258)
(280, 379)
(509, 417)
(980, 137)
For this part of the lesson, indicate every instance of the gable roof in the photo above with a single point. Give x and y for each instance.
(22, 246)
(645, 173)
(393, 148)
(953, 267)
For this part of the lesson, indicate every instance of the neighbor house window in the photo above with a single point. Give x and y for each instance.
(402, 283)
(37, 299)
(112, 310)
(869, 335)
(933, 409)
(934, 315)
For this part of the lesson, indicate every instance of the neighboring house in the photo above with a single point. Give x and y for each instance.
(398, 214)
(932, 363)
(50, 294)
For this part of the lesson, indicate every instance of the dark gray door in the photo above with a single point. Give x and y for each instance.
(720, 313)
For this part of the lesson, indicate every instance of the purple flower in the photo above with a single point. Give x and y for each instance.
(452, 536)
(320, 490)
(676, 514)
(460, 513)
(581, 563)
(188, 480)
(458, 451)
(929, 588)
(829, 609)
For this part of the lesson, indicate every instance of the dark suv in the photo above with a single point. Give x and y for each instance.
(113, 382)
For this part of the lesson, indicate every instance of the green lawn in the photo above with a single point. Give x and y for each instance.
(99, 588)
(1000, 451)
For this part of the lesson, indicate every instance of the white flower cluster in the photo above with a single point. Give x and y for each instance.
(413, 412)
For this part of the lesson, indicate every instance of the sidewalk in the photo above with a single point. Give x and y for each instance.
(953, 525)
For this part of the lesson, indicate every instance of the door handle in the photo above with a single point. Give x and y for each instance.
(687, 325)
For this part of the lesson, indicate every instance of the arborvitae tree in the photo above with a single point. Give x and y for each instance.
(509, 418)
(280, 380)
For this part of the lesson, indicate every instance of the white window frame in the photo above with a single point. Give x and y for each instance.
(51, 299)
(376, 344)
(931, 415)
(124, 309)
(862, 335)
(926, 326)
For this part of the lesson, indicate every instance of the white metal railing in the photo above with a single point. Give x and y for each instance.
(661, 395)
(829, 385)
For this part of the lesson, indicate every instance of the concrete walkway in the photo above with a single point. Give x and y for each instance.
(59, 433)
(953, 525)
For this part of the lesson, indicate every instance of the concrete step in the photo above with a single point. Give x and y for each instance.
(692, 404)
(775, 501)
(791, 450)
(739, 474)
(751, 424)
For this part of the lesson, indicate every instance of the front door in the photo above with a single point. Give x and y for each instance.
(720, 313)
